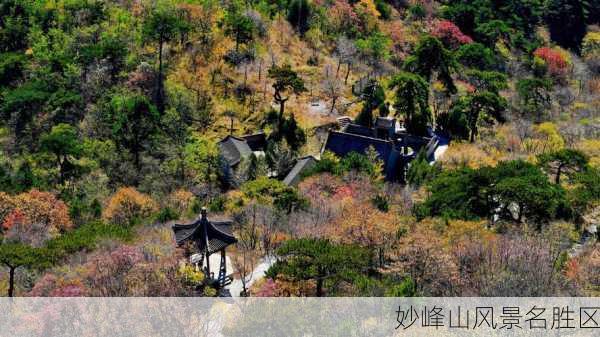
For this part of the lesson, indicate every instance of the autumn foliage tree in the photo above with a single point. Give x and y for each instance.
(35, 216)
(127, 206)
(432, 269)
(450, 34)
(365, 225)
(28, 220)
(555, 61)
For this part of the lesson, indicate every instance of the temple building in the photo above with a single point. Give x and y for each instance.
(233, 149)
(395, 147)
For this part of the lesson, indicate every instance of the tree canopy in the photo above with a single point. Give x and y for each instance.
(320, 260)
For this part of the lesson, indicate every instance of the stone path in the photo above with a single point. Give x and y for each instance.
(235, 288)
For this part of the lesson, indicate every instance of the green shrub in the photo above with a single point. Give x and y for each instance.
(84, 238)
(167, 214)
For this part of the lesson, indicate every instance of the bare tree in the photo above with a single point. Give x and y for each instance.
(346, 52)
(245, 260)
(332, 87)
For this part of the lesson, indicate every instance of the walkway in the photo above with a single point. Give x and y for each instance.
(235, 288)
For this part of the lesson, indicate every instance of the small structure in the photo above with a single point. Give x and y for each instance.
(209, 236)
(302, 165)
(234, 149)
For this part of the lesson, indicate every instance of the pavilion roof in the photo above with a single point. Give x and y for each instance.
(218, 233)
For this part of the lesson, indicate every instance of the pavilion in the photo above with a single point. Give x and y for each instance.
(208, 236)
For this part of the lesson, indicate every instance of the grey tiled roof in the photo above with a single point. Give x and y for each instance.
(304, 163)
(385, 122)
(218, 232)
(342, 143)
(256, 141)
(233, 149)
(359, 130)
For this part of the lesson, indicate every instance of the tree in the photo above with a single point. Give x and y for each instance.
(15, 255)
(285, 81)
(133, 122)
(280, 157)
(346, 51)
(343, 19)
(524, 193)
(374, 49)
(587, 190)
(420, 171)
(476, 55)
(238, 26)
(524, 15)
(534, 95)
(203, 159)
(287, 129)
(515, 191)
(365, 225)
(299, 13)
(13, 25)
(431, 58)
(246, 258)
(64, 143)
(552, 61)
(567, 22)
(463, 14)
(455, 194)
(34, 217)
(333, 88)
(293, 133)
(319, 260)
(271, 191)
(128, 206)
(450, 34)
(490, 32)
(161, 26)
(20, 106)
(566, 161)
(12, 67)
(373, 97)
(412, 93)
(491, 81)
(251, 167)
(384, 9)
(484, 106)
(431, 270)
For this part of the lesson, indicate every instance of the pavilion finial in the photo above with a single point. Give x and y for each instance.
(203, 212)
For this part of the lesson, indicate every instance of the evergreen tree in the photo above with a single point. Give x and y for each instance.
(299, 14)
(563, 162)
(373, 98)
(412, 93)
(431, 58)
(319, 260)
(567, 22)
(162, 26)
(14, 256)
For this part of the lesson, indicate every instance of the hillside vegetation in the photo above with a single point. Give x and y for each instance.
(112, 110)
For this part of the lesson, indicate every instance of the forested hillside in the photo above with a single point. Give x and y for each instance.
(112, 112)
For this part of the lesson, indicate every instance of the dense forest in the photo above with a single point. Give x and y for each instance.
(111, 113)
